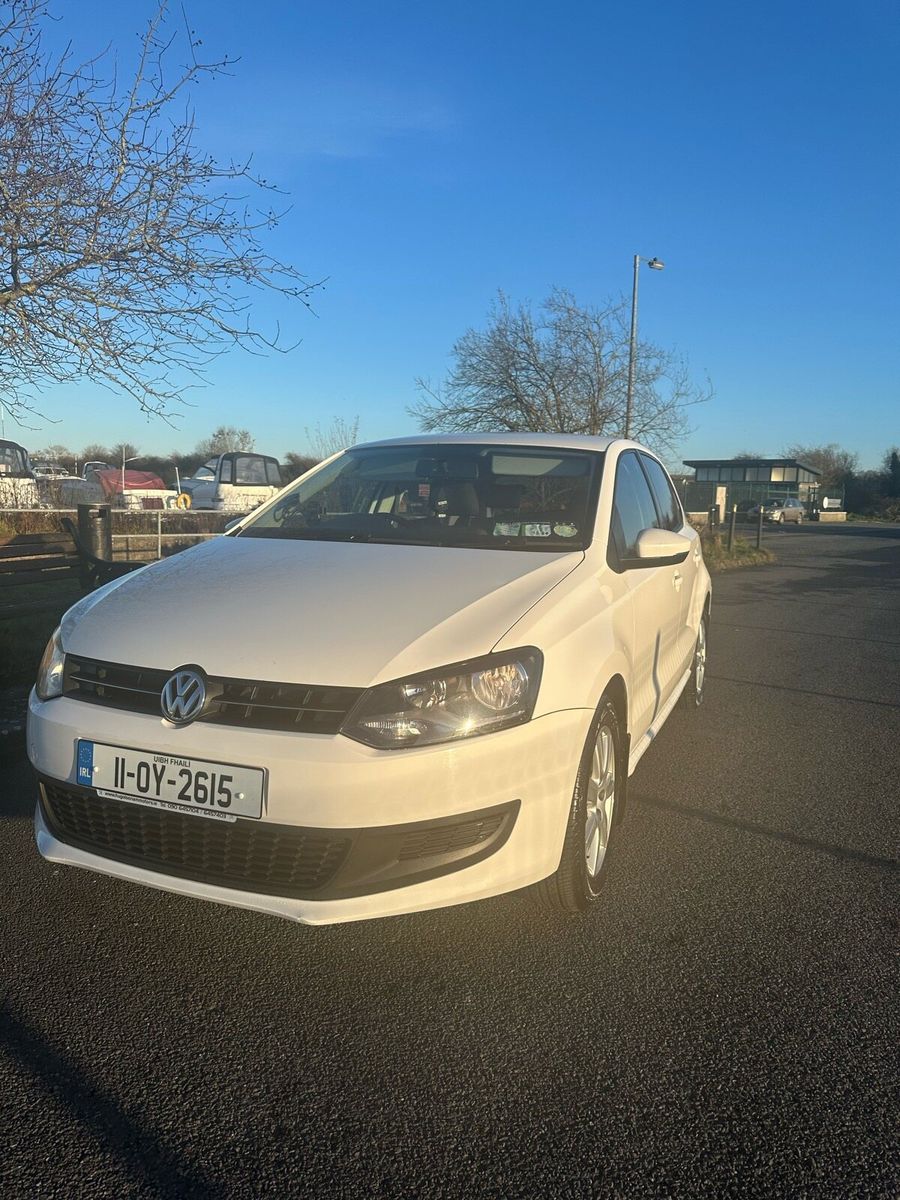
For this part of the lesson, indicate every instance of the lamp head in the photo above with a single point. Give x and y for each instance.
(655, 265)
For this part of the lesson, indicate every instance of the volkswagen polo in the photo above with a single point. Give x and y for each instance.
(419, 676)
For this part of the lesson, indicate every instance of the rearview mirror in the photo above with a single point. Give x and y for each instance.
(659, 548)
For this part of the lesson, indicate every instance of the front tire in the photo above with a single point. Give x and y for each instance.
(594, 817)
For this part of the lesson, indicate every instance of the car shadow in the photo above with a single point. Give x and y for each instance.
(761, 830)
(18, 790)
(137, 1147)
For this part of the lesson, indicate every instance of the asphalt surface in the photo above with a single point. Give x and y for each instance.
(724, 1024)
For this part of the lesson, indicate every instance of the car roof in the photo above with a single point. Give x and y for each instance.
(555, 441)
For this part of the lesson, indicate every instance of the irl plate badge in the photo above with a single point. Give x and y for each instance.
(86, 763)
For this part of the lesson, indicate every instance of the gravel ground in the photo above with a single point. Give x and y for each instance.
(724, 1024)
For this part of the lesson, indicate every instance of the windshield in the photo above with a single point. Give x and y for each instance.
(490, 497)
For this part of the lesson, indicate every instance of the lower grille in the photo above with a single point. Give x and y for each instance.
(278, 860)
(448, 838)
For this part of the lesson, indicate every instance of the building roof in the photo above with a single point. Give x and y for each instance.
(749, 462)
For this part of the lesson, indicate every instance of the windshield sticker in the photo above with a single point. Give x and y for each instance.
(537, 530)
(506, 529)
(424, 491)
(564, 530)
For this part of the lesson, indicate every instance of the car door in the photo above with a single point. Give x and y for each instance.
(654, 595)
(687, 574)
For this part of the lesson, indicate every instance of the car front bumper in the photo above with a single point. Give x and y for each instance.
(420, 828)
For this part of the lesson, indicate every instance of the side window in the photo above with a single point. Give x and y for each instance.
(226, 473)
(633, 508)
(667, 501)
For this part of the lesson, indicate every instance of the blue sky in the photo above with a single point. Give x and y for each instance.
(435, 153)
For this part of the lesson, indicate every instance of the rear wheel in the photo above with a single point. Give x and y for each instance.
(593, 819)
(693, 690)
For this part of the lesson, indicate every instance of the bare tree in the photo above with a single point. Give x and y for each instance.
(294, 465)
(127, 254)
(123, 450)
(224, 440)
(563, 369)
(94, 452)
(336, 436)
(53, 454)
(835, 465)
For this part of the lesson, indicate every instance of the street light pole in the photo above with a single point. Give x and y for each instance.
(655, 265)
(124, 461)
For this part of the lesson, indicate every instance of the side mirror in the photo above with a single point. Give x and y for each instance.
(659, 548)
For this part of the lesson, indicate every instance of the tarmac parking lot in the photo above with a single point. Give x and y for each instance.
(724, 1024)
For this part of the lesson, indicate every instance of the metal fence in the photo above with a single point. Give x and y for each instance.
(135, 534)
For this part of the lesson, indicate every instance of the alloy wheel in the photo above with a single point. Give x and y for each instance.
(700, 662)
(600, 801)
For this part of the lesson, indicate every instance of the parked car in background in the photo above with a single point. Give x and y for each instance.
(418, 676)
(18, 486)
(781, 511)
(236, 482)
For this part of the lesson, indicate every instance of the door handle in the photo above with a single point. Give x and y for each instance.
(676, 581)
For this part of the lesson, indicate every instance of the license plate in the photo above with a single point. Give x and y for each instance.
(222, 791)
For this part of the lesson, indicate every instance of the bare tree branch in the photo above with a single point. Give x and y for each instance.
(127, 255)
(563, 369)
(340, 434)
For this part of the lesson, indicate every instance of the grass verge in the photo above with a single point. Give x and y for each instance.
(743, 554)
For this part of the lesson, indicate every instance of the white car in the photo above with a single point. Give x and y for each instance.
(420, 676)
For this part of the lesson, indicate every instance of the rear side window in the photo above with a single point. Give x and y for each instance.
(667, 501)
(226, 474)
(633, 507)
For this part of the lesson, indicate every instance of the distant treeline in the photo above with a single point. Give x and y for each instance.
(222, 441)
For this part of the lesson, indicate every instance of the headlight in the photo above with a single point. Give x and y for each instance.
(454, 702)
(49, 681)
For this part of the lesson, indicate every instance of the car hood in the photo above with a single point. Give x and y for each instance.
(336, 613)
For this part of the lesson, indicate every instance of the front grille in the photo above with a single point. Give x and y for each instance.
(278, 860)
(256, 704)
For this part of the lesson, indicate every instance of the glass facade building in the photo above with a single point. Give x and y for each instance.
(748, 481)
